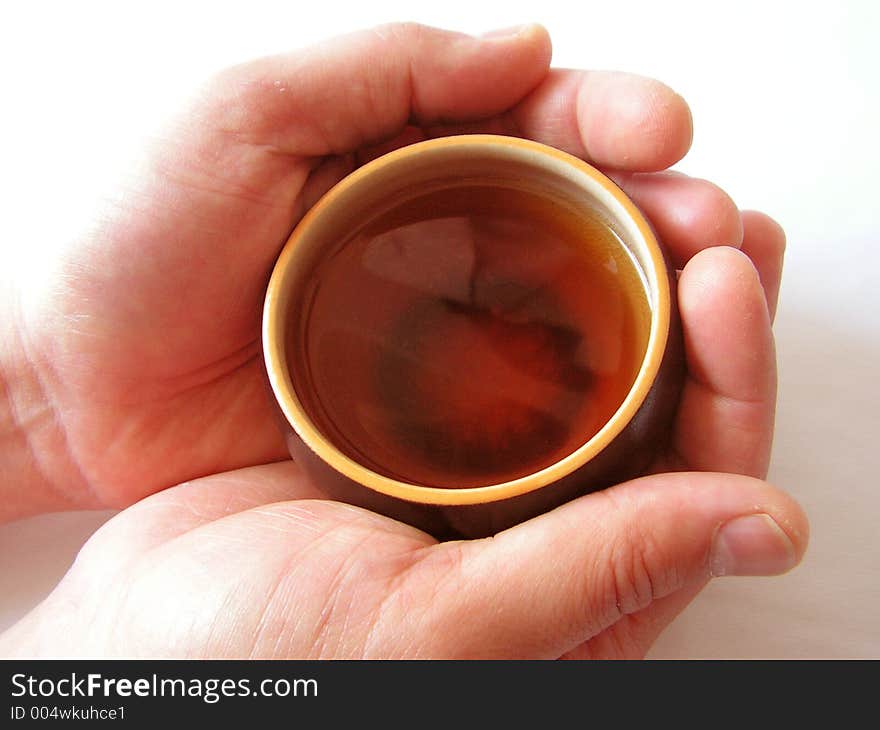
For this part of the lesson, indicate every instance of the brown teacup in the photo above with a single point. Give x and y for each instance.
(470, 331)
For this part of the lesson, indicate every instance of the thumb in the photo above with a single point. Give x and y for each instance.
(547, 586)
(365, 87)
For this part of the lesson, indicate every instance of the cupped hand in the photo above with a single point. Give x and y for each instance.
(145, 360)
(255, 564)
(139, 365)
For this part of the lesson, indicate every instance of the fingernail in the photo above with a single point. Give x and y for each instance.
(751, 545)
(508, 32)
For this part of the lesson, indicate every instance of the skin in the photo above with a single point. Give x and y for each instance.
(132, 380)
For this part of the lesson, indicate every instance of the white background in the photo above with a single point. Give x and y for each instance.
(786, 103)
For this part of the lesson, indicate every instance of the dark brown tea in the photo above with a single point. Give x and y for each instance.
(468, 337)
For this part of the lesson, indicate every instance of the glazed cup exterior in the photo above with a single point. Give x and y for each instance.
(624, 448)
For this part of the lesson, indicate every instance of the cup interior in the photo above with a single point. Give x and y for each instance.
(434, 165)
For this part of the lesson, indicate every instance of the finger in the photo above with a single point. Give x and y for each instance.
(687, 213)
(764, 244)
(613, 119)
(544, 587)
(365, 87)
(634, 634)
(725, 420)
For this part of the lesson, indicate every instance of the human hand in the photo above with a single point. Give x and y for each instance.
(150, 374)
(139, 366)
(255, 564)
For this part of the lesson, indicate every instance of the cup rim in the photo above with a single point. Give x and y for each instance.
(297, 418)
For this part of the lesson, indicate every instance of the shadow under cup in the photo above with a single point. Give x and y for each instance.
(470, 331)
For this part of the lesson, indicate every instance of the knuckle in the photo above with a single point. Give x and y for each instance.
(634, 576)
(443, 566)
(772, 233)
(630, 582)
(719, 214)
(235, 82)
(406, 32)
(715, 196)
(242, 100)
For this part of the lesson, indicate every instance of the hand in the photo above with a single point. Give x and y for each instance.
(143, 365)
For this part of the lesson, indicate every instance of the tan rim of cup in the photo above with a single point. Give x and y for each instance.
(609, 196)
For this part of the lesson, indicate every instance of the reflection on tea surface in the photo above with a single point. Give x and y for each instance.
(475, 335)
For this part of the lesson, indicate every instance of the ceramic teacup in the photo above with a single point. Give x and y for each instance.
(380, 284)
